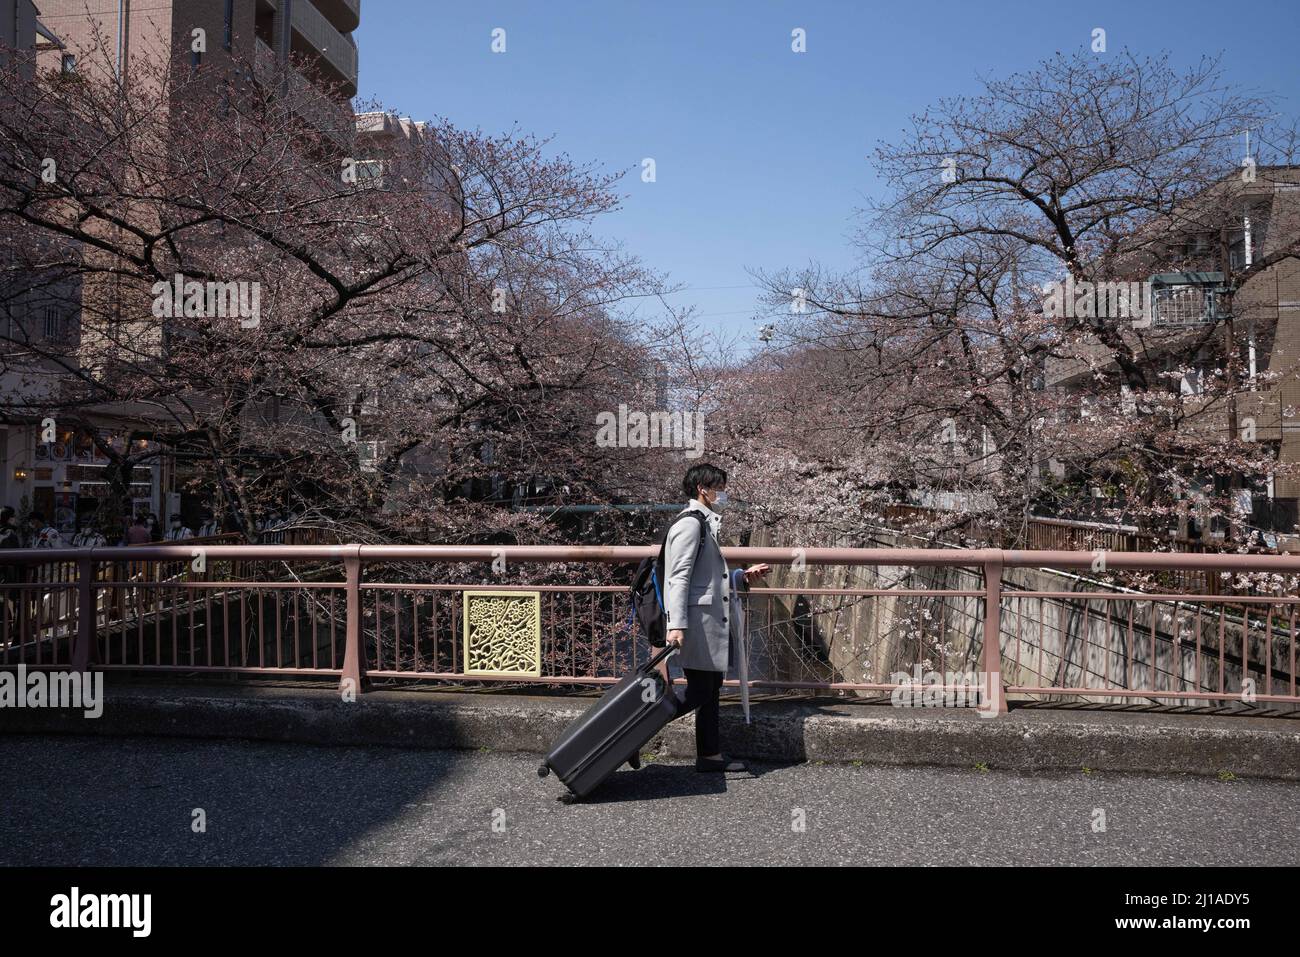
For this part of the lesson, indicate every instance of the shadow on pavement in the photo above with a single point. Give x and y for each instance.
(657, 782)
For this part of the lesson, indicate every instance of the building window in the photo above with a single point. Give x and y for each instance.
(69, 63)
(230, 16)
(53, 324)
(370, 174)
(195, 58)
(1185, 304)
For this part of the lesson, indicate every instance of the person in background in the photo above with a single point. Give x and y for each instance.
(210, 527)
(178, 532)
(155, 529)
(138, 533)
(41, 534)
(9, 535)
(10, 574)
(88, 536)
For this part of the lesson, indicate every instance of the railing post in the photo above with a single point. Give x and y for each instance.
(83, 648)
(354, 665)
(992, 655)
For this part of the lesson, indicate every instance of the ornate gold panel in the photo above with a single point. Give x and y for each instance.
(503, 633)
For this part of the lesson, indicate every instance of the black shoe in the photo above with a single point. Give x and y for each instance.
(634, 762)
(722, 764)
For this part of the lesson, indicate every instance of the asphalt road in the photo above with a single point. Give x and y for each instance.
(133, 801)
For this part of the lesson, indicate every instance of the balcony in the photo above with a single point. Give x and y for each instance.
(301, 97)
(344, 14)
(1185, 299)
(334, 50)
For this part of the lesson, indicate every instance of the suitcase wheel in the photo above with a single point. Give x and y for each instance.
(543, 769)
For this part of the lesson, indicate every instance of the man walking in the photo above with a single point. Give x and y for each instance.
(697, 597)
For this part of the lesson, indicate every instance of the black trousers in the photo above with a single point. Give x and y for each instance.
(702, 690)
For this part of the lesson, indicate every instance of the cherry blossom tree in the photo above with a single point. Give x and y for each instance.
(936, 373)
(393, 354)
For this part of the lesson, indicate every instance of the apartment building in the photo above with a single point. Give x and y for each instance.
(21, 29)
(1191, 263)
(119, 33)
(301, 48)
(28, 312)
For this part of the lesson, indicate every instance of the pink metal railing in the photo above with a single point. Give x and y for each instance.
(1061, 535)
(311, 610)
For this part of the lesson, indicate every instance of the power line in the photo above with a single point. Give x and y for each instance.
(703, 288)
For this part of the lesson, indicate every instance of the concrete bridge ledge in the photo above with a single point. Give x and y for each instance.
(1026, 740)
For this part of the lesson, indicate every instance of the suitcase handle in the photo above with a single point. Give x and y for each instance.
(668, 649)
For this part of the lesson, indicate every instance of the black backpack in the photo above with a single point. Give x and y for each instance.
(648, 585)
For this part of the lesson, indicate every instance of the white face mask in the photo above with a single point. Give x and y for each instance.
(720, 501)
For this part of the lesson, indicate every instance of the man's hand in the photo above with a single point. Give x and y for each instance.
(674, 637)
(756, 571)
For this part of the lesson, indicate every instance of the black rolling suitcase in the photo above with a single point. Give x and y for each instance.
(613, 730)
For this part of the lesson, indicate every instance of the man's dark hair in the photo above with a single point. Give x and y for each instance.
(702, 476)
(6, 514)
(139, 519)
(36, 517)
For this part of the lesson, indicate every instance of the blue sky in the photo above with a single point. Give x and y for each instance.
(762, 155)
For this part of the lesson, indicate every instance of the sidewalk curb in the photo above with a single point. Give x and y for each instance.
(834, 732)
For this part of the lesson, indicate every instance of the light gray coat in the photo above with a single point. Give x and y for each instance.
(698, 592)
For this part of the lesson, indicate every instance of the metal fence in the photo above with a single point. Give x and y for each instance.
(1053, 534)
(974, 618)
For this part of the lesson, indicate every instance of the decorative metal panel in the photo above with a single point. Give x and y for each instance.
(503, 633)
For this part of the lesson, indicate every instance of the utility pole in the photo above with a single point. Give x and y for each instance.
(1230, 349)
